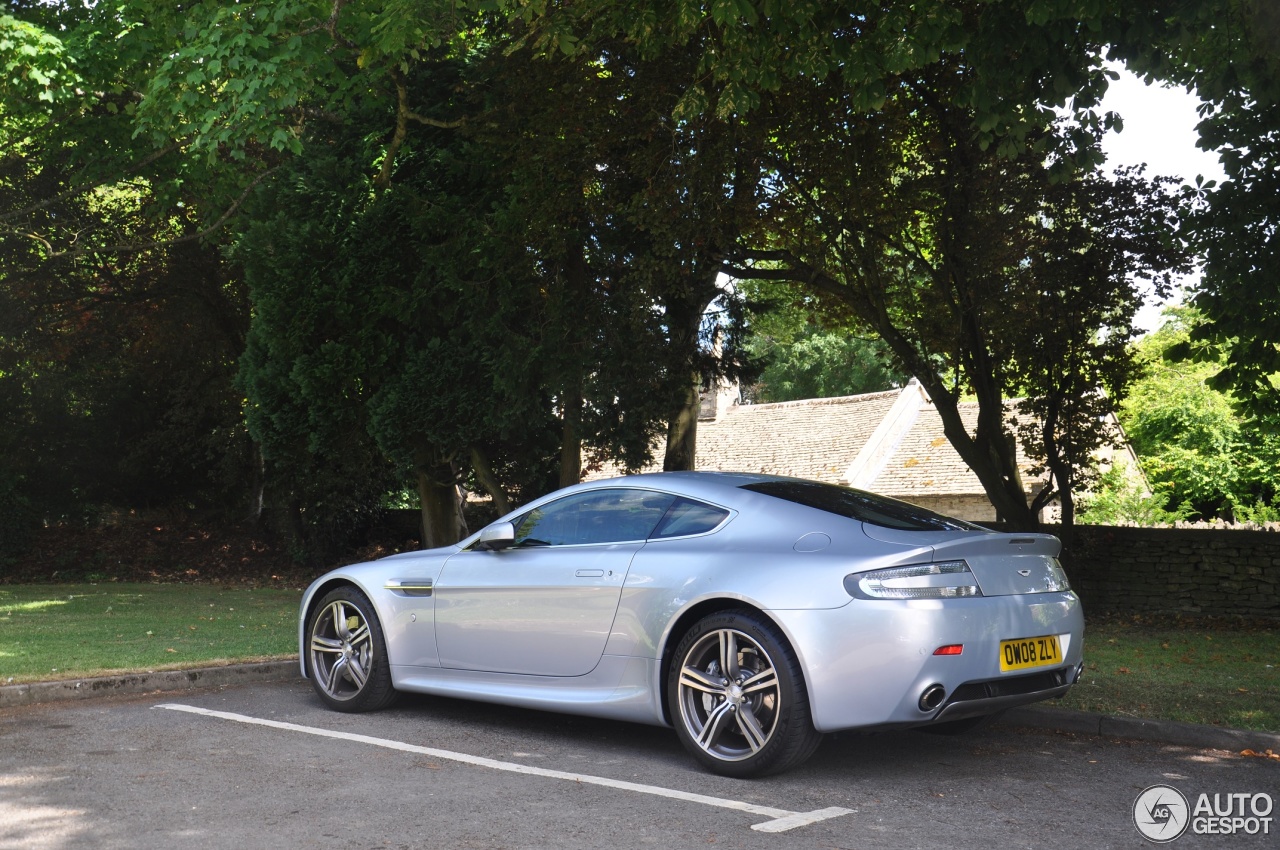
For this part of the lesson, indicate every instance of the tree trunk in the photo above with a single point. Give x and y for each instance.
(1067, 526)
(685, 313)
(578, 283)
(682, 430)
(571, 440)
(438, 496)
(484, 474)
(259, 487)
(992, 454)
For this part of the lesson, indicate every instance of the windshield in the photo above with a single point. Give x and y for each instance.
(859, 505)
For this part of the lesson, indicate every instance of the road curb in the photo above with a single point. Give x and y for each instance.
(35, 693)
(1139, 729)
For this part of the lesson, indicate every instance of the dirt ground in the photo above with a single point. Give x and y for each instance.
(138, 548)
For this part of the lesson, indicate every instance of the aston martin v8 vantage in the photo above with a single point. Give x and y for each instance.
(750, 612)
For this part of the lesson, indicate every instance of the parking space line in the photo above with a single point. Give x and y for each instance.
(782, 819)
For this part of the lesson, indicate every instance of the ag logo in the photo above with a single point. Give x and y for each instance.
(1160, 813)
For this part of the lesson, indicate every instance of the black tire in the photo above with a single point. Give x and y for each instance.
(347, 653)
(963, 726)
(755, 720)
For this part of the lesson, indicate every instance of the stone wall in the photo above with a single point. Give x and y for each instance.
(1205, 571)
(972, 508)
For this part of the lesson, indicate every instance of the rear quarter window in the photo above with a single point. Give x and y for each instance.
(686, 517)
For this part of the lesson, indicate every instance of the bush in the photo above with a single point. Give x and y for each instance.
(18, 519)
(1120, 498)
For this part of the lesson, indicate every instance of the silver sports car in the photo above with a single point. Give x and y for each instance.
(751, 612)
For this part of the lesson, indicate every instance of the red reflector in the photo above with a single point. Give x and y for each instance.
(950, 649)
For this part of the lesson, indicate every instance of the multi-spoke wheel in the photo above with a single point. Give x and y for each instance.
(737, 696)
(346, 653)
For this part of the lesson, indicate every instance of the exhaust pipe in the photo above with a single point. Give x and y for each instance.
(932, 697)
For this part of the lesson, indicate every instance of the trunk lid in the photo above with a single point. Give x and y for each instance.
(1003, 564)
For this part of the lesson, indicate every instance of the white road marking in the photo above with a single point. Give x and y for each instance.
(783, 819)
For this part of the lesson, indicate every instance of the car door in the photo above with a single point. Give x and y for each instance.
(545, 605)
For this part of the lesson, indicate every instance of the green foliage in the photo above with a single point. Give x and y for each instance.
(824, 364)
(387, 343)
(1228, 51)
(115, 373)
(889, 214)
(34, 66)
(808, 353)
(17, 517)
(1119, 497)
(1259, 512)
(481, 237)
(1190, 438)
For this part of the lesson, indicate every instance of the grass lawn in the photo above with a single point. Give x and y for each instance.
(1197, 671)
(79, 630)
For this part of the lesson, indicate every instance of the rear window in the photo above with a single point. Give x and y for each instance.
(859, 505)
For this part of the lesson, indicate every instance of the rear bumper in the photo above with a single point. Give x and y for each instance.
(976, 699)
(869, 663)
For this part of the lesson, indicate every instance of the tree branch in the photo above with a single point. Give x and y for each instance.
(331, 27)
(84, 187)
(403, 115)
(137, 247)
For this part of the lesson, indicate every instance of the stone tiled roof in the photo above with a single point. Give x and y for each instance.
(890, 442)
(815, 438)
(925, 463)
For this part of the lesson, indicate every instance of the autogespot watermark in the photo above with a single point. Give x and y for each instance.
(1162, 813)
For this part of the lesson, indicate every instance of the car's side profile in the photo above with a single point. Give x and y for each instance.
(753, 613)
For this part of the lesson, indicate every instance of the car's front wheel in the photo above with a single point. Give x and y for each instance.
(737, 696)
(347, 654)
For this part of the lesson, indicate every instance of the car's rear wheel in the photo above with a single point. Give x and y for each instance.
(737, 696)
(347, 654)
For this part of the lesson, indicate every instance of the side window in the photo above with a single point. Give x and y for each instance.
(597, 516)
(687, 517)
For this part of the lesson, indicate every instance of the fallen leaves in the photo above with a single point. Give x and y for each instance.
(126, 547)
(1265, 754)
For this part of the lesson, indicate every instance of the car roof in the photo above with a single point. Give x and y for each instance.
(722, 487)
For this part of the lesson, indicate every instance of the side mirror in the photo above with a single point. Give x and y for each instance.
(500, 535)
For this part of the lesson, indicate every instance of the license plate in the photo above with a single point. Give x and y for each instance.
(1029, 652)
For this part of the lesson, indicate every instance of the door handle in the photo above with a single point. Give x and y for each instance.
(589, 573)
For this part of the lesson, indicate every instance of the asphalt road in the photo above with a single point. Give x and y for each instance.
(267, 766)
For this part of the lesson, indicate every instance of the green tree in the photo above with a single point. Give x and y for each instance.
(603, 161)
(116, 370)
(1120, 497)
(890, 213)
(1228, 52)
(809, 351)
(374, 353)
(1193, 444)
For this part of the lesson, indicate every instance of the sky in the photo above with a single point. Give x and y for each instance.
(1159, 130)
